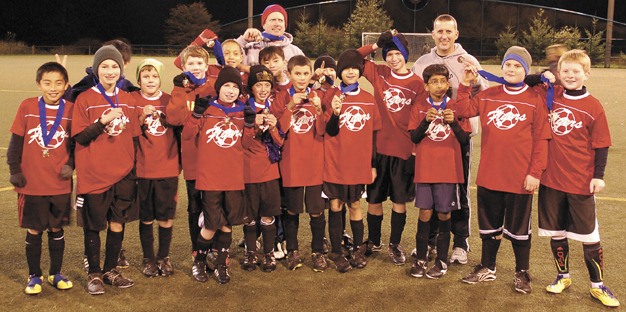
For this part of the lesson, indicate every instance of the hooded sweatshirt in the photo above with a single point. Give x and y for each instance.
(251, 49)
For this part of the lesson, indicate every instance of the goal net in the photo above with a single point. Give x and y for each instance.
(419, 43)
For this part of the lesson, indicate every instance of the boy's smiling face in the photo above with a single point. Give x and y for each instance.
(196, 66)
(261, 91)
(229, 92)
(395, 60)
(300, 76)
(53, 86)
(108, 73)
(275, 24)
(350, 75)
(275, 64)
(149, 82)
(513, 72)
(232, 54)
(572, 75)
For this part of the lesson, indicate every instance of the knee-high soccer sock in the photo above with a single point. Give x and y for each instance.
(594, 261)
(249, 236)
(318, 226)
(521, 249)
(443, 240)
(165, 240)
(398, 220)
(269, 235)
(434, 230)
(33, 253)
(92, 249)
(224, 241)
(113, 247)
(292, 222)
(194, 229)
(334, 231)
(374, 224)
(56, 248)
(560, 252)
(204, 245)
(344, 211)
(146, 236)
(491, 245)
(358, 231)
(421, 239)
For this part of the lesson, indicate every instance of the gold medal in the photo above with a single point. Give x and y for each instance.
(122, 125)
(394, 32)
(342, 97)
(186, 82)
(155, 115)
(322, 79)
(210, 43)
(45, 153)
(266, 111)
(227, 120)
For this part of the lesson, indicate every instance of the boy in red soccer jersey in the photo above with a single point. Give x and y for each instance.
(105, 124)
(515, 134)
(395, 90)
(157, 169)
(274, 59)
(43, 184)
(352, 119)
(438, 137)
(299, 113)
(223, 128)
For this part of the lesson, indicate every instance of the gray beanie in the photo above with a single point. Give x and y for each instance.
(105, 53)
(519, 54)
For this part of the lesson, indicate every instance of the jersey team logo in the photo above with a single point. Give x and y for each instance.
(58, 138)
(395, 99)
(302, 121)
(354, 118)
(224, 134)
(505, 117)
(116, 126)
(155, 127)
(437, 130)
(563, 121)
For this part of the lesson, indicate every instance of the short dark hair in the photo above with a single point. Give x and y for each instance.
(123, 46)
(52, 67)
(268, 52)
(435, 69)
(298, 60)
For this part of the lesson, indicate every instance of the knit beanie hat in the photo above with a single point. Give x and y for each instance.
(329, 62)
(108, 52)
(271, 9)
(391, 45)
(519, 54)
(158, 66)
(350, 58)
(227, 74)
(259, 73)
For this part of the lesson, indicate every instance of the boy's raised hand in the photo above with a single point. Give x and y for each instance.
(384, 38)
(200, 106)
(252, 34)
(317, 103)
(336, 105)
(448, 115)
(596, 185)
(62, 62)
(111, 115)
(249, 116)
(531, 183)
(431, 114)
(318, 73)
(549, 75)
(470, 74)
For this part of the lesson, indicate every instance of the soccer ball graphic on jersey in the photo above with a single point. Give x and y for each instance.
(437, 130)
(395, 100)
(224, 134)
(116, 126)
(505, 117)
(155, 127)
(302, 121)
(563, 121)
(354, 118)
(56, 141)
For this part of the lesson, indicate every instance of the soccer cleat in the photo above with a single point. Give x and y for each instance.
(522, 280)
(319, 262)
(480, 274)
(221, 274)
(86, 263)
(396, 253)
(279, 251)
(357, 258)
(341, 263)
(458, 255)
(418, 269)
(559, 285)
(605, 296)
(346, 241)
(294, 260)
(150, 269)
(115, 278)
(94, 284)
(165, 267)
(34, 285)
(250, 261)
(211, 255)
(122, 263)
(60, 282)
(269, 262)
(372, 248)
(438, 270)
(198, 271)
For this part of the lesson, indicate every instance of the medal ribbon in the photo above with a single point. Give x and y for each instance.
(196, 81)
(330, 80)
(443, 103)
(292, 90)
(252, 102)
(271, 37)
(45, 134)
(219, 53)
(348, 88)
(106, 97)
(491, 77)
(239, 106)
(549, 93)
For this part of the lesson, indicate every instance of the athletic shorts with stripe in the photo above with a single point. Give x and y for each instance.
(43, 212)
(117, 204)
(504, 213)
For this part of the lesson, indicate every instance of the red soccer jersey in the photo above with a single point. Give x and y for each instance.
(303, 150)
(257, 165)
(438, 155)
(348, 155)
(157, 157)
(515, 131)
(579, 126)
(41, 164)
(395, 95)
(111, 156)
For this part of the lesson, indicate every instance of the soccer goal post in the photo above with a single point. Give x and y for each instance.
(419, 43)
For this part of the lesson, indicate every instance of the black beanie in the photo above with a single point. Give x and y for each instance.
(259, 73)
(329, 62)
(350, 58)
(227, 74)
(108, 52)
(392, 46)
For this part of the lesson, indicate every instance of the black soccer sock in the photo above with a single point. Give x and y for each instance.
(146, 236)
(194, 229)
(56, 248)
(358, 231)
(344, 212)
(33, 253)
(560, 252)
(204, 245)
(269, 235)
(434, 230)
(521, 249)
(249, 236)
(292, 222)
(421, 239)
(318, 227)
(113, 247)
(374, 224)
(92, 249)
(490, 252)
(398, 220)
(165, 240)
(594, 261)
(224, 241)
(443, 240)
(335, 231)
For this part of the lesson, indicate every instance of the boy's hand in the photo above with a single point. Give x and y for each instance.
(448, 116)
(249, 116)
(531, 183)
(431, 114)
(270, 121)
(297, 99)
(336, 105)
(148, 110)
(596, 185)
(548, 74)
(317, 103)
(252, 34)
(384, 38)
(18, 180)
(66, 172)
(470, 74)
(111, 115)
(62, 62)
(318, 73)
(200, 106)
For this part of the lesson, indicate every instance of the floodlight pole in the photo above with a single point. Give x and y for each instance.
(609, 34)
(250, 13)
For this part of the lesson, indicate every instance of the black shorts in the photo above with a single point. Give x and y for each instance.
(194, 197)
(223, 208)
(504, 213)
(310, 196)
(443, 197)
(345, 193)
(157, 198)
(394, 178)
(117, 204)
(43, 212)
(568, 215)
(263, 199)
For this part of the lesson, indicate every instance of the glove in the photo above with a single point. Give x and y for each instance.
(384, 39)
(249, 116)
(178, 80)
(66, 172)
(18, 180)
(200, 106)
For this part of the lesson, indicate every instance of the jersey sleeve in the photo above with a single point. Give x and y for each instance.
(19, 122)
(600, 135)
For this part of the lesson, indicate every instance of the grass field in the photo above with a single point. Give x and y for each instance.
(380, 286)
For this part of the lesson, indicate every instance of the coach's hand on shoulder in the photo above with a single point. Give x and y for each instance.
(596, 185)
(18, 180)
(66, 172)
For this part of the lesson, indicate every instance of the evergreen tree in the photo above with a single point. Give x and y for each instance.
(540, 34)
(186, 21)
(368, 16)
